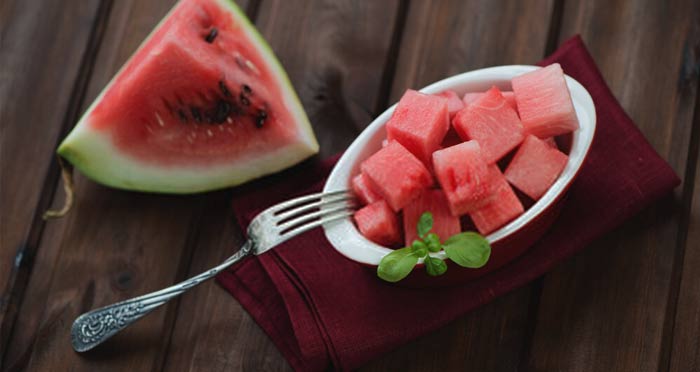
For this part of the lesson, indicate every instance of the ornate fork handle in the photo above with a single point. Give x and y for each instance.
(96, 326)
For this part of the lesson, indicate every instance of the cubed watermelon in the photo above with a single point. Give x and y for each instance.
(396, 175)
(363, 189)
(492, 122)
(544, 102)
(378, 223)
(454, 103)
(535, 167)
(463, 174)
(470, 98)
(551, 142)
(435, 202)
(503, 208)
(419, 123)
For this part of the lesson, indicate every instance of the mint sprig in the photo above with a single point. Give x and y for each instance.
(466, 249)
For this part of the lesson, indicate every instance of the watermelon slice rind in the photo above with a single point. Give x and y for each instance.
(91, 152)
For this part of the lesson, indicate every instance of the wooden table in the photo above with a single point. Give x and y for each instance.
(630, 302)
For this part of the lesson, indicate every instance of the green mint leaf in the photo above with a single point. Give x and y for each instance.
(433, 242)
(468, 249)
(425, 223)
(419, 248)
(397, 264)
(435, 266)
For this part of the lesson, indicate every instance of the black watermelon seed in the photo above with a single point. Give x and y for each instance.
(260, 118)
(183, 117)
(236, 110)
(212, 35)
(196, 114)
(223, 108)
(246, 89)
(224, 89)
(244, 100)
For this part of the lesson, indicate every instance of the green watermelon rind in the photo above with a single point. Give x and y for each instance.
(93, 153)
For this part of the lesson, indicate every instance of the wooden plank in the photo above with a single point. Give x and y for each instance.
(336, 55)
(113, 245)
(39, 89)
(447, 37)
(685, 344)
(441, 39)
(606, 309)
(685, 354)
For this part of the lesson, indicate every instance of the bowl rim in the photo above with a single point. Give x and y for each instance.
(347, 240)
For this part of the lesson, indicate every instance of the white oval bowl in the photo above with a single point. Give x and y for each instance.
(343, 234)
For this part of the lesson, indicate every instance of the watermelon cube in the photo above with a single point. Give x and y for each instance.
(491, 122)
(396, 175)
(463, 174)
(435, 202)
(551, 142)
(419, 123)
(503, 208)
(470, 98)
(378, 223)
(363, 189)
(535, 167)
(454, 103)
(544, 102)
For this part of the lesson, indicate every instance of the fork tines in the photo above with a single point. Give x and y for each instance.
(304, 213)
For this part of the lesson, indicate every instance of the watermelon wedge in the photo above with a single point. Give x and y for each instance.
(203, 104)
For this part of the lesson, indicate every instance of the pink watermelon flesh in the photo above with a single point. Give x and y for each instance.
(396, 175)
(551, 142)
(363, 189)
(544, 102)
(493, 123)
(463, 175)
(187, 117)
(504, 207)
(202, 104)
(535, 167)
(378, 223)
(435, 202)
(419, 123)
(454, 103)
(470, 98)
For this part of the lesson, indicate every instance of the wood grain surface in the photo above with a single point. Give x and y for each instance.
(587, 309)
(348, 61)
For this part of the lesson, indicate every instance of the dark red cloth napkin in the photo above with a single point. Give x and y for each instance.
(322, 310)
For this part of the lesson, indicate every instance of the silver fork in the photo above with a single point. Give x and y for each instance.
(268, 229)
